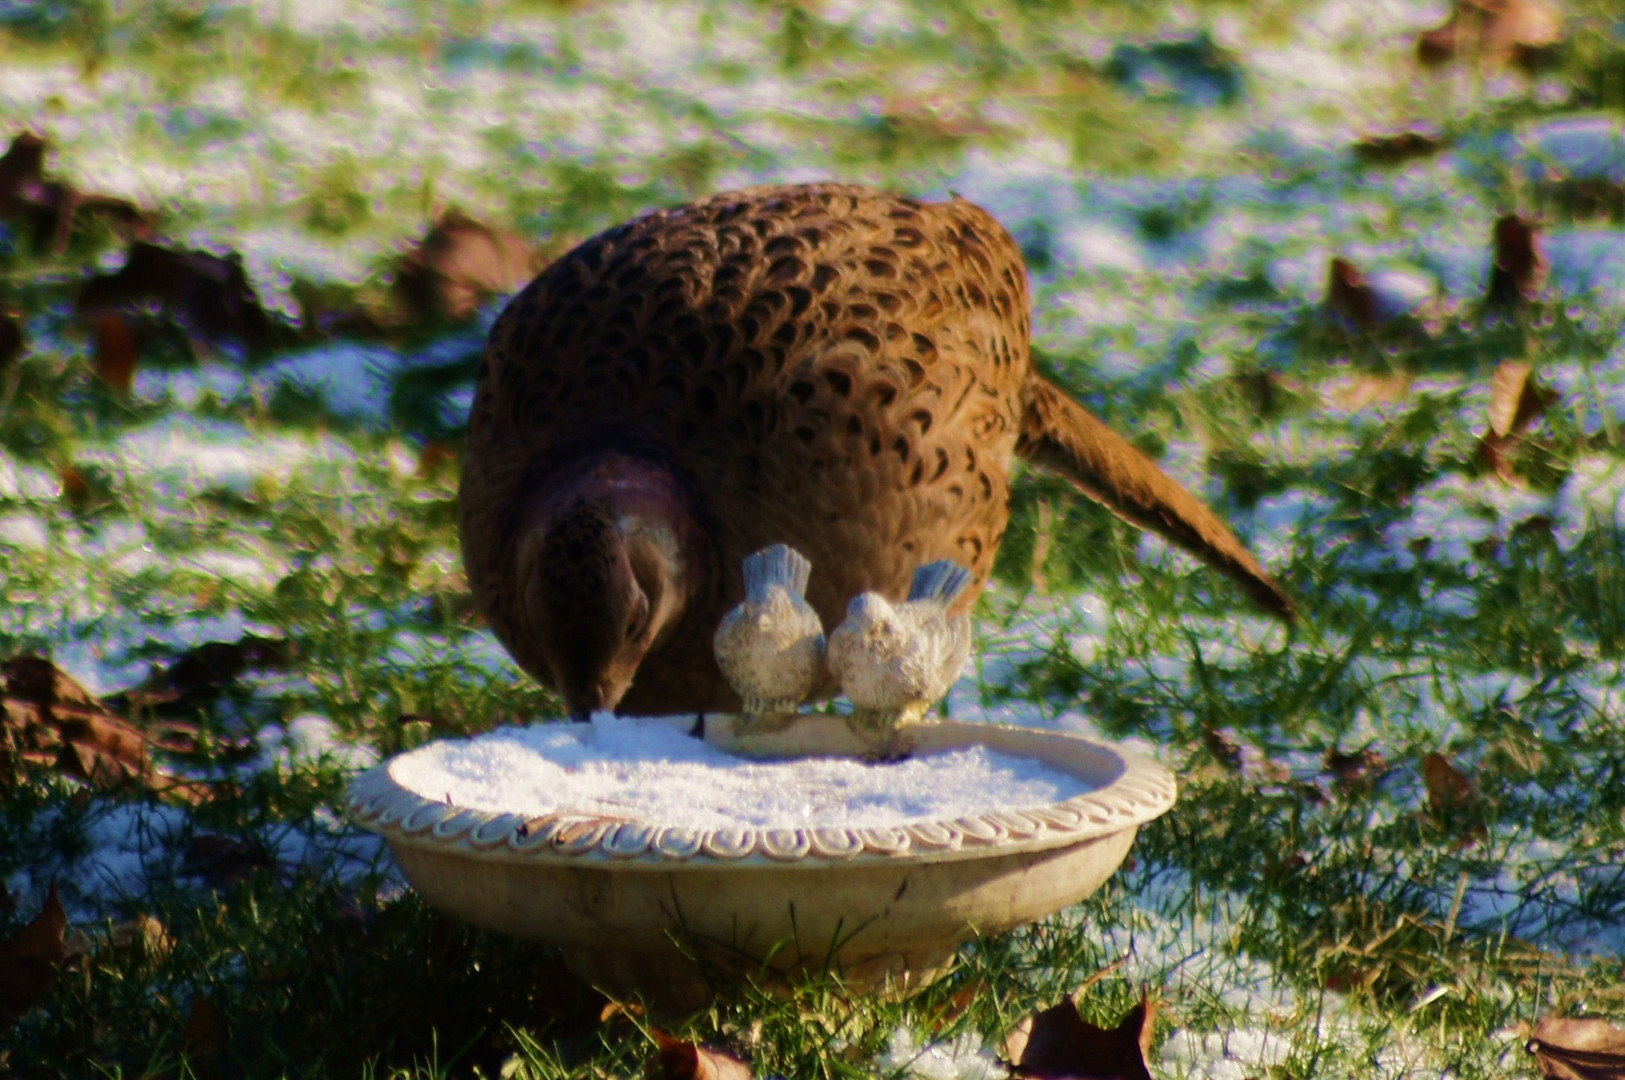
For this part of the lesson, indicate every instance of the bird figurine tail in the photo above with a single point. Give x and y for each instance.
(778, 565)
(943, 580)
(1064, 437)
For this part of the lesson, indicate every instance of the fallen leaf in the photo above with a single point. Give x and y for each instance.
(29, 959)
(1519, 269)
(1398, 147)
(1584, 1048)
(1354, 394)
(679, 1059)
(434, 458)
(11, 341)
(196, 677)
(460, 265)
(1497, 33)
(204, 1038)
(50, 207)
(1349, 295)
(1058, 1043)
(225, 861)
(115, 351)
(614, 1009)
(1517, 400)
(1225, 750)
(48, 720)
(1447, 786)
(957, 1005)
(1356, 772)
(208, 295)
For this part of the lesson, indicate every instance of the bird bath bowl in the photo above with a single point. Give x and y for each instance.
(641, 908)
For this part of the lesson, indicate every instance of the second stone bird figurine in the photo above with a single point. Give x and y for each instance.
(894, 661)
(771, 647)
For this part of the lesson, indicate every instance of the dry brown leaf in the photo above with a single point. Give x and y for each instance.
(1058, 1043)
(29, 959)
(679, 1059)
(197, 676)
(1583, 1048)
(460, 265)
(956, 1006)
(1447, 786)
(48, 720)
(11, 341)
(613, 1009)
(209, 295)
(1398, 147)
(1355, 394)
(1517, 400)
(115, 351)
(1519, 269)
(1498, 33)
(1225, 750)
(224, 861)
(435, 457)
(49, 207)
(1356, 772)
(205, 1036)
(1349, 295)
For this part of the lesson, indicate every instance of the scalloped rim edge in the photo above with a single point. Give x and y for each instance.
(375, 802)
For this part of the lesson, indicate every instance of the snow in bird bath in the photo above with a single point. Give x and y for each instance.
(648, 770)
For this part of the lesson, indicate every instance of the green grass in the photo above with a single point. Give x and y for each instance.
(1291, 922)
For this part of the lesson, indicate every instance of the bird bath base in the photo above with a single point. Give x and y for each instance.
(664, 913)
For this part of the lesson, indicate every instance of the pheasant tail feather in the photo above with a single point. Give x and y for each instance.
(1064, 437)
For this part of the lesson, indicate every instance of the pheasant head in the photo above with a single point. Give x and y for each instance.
(605, 572)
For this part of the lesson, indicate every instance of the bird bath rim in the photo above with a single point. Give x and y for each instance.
(1131, 791)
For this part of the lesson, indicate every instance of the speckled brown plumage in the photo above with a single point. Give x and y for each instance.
(824, 366)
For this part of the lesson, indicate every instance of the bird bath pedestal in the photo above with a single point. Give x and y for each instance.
(639, 908)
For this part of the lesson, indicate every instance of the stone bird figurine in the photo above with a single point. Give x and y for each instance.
(825, 366)
(894, 661)
(771, 647)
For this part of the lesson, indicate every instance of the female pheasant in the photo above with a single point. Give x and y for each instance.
(825, 366)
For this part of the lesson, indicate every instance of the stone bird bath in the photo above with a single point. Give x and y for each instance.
(643, 908)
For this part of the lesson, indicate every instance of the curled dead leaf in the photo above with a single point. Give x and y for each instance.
(29, 959)
(1583, 1048)
(680, 1059)
(1058, 1043)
